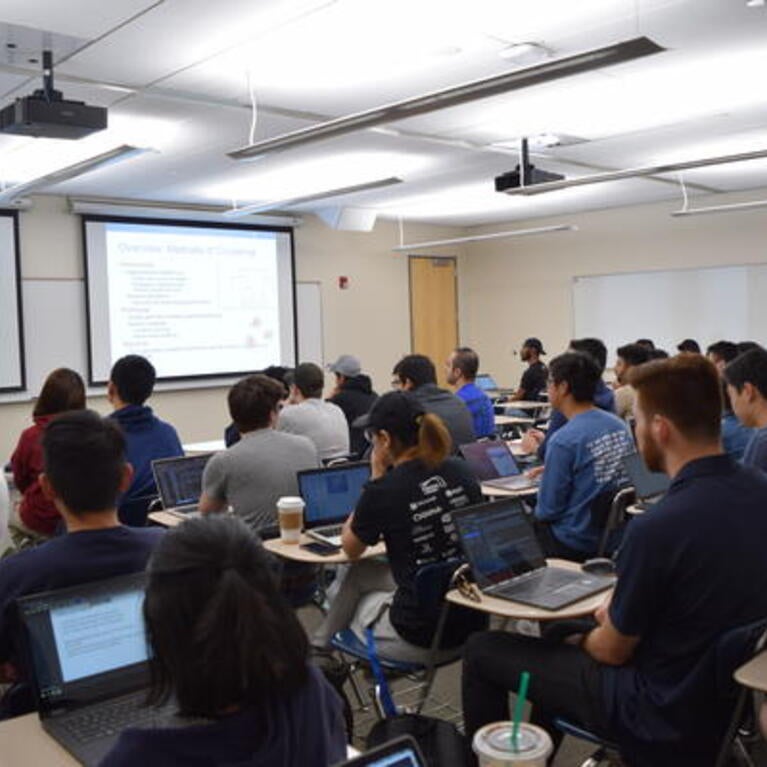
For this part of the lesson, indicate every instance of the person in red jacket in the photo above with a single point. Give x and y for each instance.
(63, 390)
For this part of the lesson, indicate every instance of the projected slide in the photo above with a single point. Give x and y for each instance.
(195, 300)
(11, 369)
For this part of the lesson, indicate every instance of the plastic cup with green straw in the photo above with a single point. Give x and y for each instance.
(519, 708)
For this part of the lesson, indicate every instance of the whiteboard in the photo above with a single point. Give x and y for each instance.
(667, 306)
(55, 332)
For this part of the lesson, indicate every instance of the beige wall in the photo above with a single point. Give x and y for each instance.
(512, 289)
(370, 319)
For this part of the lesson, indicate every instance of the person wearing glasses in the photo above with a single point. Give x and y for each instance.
(413, 488)
(234, 657)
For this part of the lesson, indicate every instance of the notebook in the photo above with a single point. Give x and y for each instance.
(401, 752)
(494, 464)
(499, 542)
(330, 495)
(179, 483)
(88, 655)
(650, 486)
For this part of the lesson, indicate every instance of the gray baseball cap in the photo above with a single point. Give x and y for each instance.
(346, 365)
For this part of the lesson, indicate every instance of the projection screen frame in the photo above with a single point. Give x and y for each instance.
(170, 222)
(22, 386)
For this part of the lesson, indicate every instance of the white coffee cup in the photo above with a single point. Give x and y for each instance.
(494, 748)
(290, 512)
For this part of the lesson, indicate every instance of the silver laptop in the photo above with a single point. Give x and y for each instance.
(179, 483)
(331, 495)
(650, 486)
(494, 464)
(499, 542)
(88, 656)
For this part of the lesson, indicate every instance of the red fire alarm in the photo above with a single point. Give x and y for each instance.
(343, 283)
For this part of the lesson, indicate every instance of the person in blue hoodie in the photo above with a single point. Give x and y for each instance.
(147, 438)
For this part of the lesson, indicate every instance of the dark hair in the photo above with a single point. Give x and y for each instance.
(253, 400)
(689, 345)
(467, 361)
(648, 343)
(594, 348)
(279, 373)
(416, 367)
(686, 389)
(725, 350)
(658, 354)
(84, 458)
(63, 390)
(579, 371)
(133, 377)
(750, 367)
(747, 346)
(633, 354)
(221, 632)
(309, 379)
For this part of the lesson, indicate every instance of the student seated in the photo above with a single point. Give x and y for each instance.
(253, 473)
(746, 378)
(63, 390)
(533, 382)
(147, 438)
(354, 394)
(628, 356)
(232, 654)
(461, 368)
(310, 416)
(84, 470)
(416, 373)
(688, 571)
(582, 460)
(413, 487)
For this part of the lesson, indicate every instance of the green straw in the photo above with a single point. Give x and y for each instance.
(524, 681)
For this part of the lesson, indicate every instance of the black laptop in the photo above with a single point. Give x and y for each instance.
(494, 464)
(499, 542)
(650, 486)
(88, 656)
(179, 483)
(330, 495)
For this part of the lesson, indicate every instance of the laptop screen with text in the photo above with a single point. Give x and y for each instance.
(331, 494)
(646, 483)
(490, 460)
(179, 480)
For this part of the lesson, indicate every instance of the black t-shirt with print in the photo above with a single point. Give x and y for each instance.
(410, 509)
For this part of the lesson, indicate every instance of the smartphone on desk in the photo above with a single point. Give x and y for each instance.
(323, 549)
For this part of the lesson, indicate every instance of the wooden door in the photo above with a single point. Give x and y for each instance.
(433, 309)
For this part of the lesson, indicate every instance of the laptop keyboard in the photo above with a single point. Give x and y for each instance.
(111, 718)
(554, 580)
(329, 531)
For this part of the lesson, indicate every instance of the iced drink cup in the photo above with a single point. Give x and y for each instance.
(493, 746)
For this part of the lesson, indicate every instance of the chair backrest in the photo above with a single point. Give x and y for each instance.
(616, 517)
(134, 512)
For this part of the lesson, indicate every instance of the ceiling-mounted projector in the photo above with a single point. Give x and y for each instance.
(46, 114)
(524, 174)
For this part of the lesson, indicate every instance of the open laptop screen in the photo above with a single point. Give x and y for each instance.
(490, 460)
(87, 641)
(647, 484)
(498, 540)
(486, 382)
(179, 480)
(331, 494)
(402, 752)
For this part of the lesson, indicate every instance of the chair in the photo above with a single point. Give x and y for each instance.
(134, 512)
(616, 518)
(431, 584)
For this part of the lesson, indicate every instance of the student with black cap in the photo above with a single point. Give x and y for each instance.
(534, 378)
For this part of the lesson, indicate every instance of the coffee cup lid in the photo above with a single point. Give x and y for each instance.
(494, 741)
(290, 502)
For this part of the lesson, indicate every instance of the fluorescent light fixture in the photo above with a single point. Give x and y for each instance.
(260, 207)
(484, 237)
(619, 175)
(102, 160)
(720, 208)
(456, 95)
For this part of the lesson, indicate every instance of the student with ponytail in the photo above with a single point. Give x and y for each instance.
(413, 488)
(233, 656)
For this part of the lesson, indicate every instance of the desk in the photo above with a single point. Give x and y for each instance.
(513, 420)
(23, 742)
(211, 446)
(634, 511)
(524, 404)
(499, 492)
(754, 673)
(517, 611)
(165, 519)
(295, 553)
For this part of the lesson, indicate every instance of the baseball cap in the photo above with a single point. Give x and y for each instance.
(346, 365)
(534, 343)
(398, 412)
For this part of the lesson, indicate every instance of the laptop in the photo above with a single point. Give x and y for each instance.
(88, 655)
(650, 486)
(494, 464)
(330, 495)
(499, 542)
(179, 483)
(401, 752)
(488, 384)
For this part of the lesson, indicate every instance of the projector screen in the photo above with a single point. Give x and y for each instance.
(11, 334)
(198, 300)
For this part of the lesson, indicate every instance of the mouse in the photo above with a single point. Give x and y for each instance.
(599, 566)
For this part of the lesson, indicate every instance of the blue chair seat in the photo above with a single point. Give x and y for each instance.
(568, 728)
(348, 642)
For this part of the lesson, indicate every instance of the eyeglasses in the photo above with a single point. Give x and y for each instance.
(461, 580)
(369, 434)
(396, 383)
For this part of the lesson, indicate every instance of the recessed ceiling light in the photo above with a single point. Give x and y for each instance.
(525, 53)
(755, 3)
